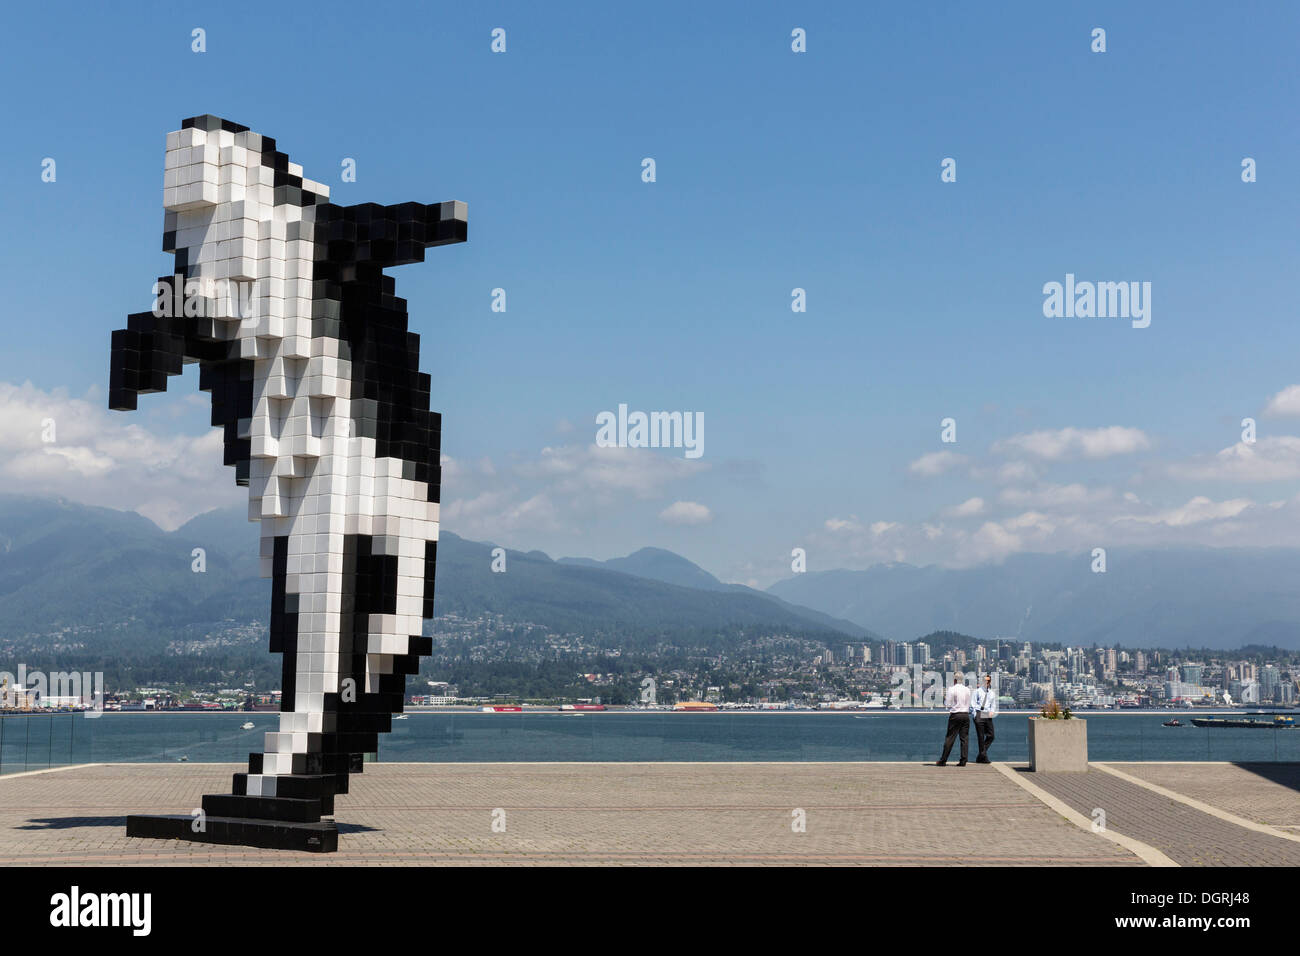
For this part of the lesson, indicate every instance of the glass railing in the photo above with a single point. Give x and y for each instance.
(44, 741)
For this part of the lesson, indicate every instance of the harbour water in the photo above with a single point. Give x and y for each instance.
(34, 742)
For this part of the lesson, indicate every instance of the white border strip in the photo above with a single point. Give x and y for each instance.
(1198, 805)
(1148, 854)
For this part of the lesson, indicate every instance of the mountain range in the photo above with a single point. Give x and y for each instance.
(100, 571)
(65, 565)
(1213, 597)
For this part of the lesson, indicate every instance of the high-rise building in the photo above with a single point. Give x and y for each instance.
(1192, 673)
(1075, 663)
(981, 652)
(1140, 662)
(921, 653)
(1270, 680)
(904, 654)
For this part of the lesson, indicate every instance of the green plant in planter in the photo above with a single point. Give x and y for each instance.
(1051, 710)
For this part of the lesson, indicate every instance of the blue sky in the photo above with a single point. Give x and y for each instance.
(775, 170)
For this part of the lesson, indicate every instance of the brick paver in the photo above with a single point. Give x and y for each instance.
(1188, 836)
(637, 814)
(1265, 793)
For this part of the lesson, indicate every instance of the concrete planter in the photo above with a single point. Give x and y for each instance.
(1058, 745)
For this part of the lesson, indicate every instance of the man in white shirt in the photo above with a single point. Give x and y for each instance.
(983, 708)
(957, 700)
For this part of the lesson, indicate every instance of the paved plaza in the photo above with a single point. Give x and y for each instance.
(892, 814)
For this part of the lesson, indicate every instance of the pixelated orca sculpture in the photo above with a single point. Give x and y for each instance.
(281, 298)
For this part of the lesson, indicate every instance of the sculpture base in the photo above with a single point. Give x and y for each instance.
(316, 837)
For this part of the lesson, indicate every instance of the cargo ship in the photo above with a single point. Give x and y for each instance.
(582, 707)
(1274, 721)
(502, 709)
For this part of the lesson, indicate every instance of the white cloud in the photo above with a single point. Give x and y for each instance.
(967, 509)
(499, 513)
(1195, 511)
(838, 525)
(1054, 496)
(1285, 402)
(562, 490)
(105, 458)
(686, 513)
(1017, 471)
(1068, 443)
(993, 542)
(1061, 518)
(936, 463)
(1276, 458)
(590, 469)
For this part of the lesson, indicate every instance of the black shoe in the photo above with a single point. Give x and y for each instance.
(941, 763)
(983, 760)
(961, 763)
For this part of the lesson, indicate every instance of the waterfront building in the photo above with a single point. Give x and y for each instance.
(1186, 690)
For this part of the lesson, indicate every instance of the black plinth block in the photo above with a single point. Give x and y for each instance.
(320, 837)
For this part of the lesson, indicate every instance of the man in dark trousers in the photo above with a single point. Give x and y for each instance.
(983, 708)
(957, 700)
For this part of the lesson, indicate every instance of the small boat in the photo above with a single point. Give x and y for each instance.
(1174, 723)
(400, 716)
(246, 725)
(182, 759)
